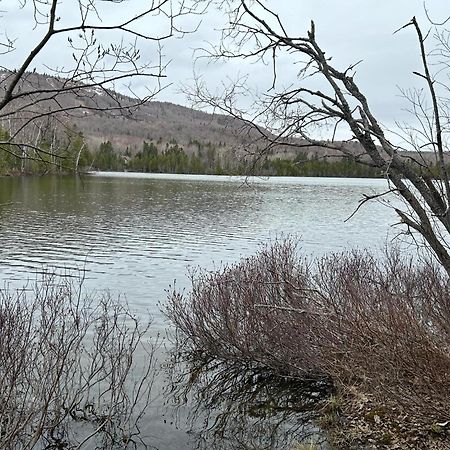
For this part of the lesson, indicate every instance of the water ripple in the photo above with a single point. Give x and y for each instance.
(136, 234)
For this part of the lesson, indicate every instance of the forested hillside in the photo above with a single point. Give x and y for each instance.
(92, 133)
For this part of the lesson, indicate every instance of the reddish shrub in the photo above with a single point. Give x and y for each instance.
(382, 324)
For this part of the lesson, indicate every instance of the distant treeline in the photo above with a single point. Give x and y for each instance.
(72, 154)
(207, 161)
(173, 159)
(301, 166)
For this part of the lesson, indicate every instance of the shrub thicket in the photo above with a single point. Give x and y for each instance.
(379, 327)
(68, 378)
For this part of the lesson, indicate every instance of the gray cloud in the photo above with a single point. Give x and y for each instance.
(349, 30)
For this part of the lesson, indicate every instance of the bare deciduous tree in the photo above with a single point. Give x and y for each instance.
(291, 116)
(108, 43)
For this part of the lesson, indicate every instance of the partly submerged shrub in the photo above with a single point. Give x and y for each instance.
(67, 375)
(382, 324)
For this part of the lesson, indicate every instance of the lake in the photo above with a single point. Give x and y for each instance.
(134, 234)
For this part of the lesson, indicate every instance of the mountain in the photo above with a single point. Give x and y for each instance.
(94, 111)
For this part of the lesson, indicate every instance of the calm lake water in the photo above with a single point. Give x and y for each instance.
(135, 234)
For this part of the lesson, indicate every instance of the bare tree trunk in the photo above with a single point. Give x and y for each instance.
(78, 156)
(256, 32)
(23, 159)
(95, 66)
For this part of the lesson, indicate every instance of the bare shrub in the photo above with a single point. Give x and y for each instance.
(382, 325)
(68, 378)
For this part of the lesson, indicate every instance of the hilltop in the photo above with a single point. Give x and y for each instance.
(95, 112)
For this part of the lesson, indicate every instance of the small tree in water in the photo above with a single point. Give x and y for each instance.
(69, 372)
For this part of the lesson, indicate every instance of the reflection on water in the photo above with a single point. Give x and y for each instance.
(238, 407)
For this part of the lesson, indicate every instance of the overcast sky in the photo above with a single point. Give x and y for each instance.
(349, 30)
